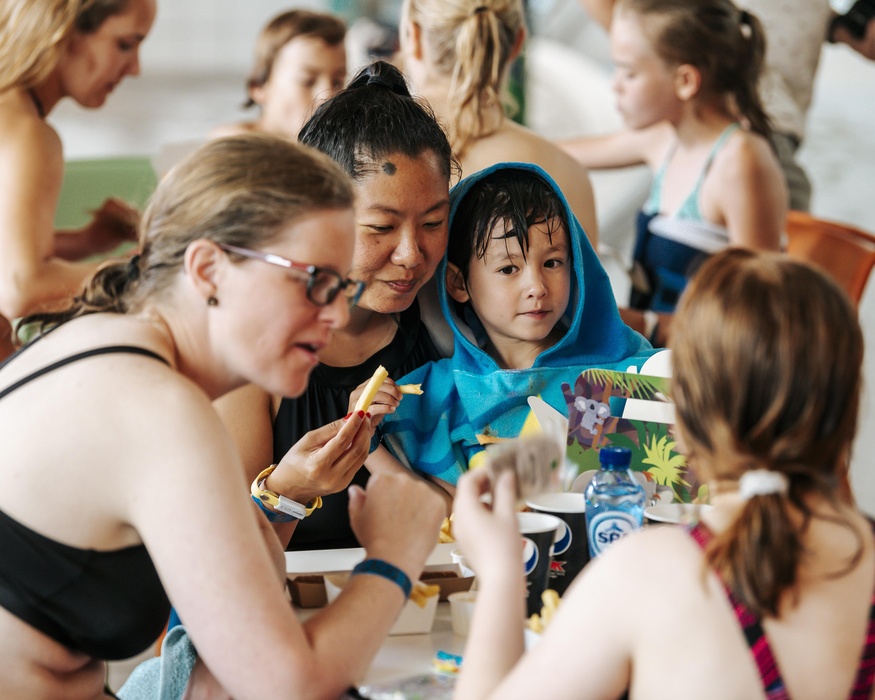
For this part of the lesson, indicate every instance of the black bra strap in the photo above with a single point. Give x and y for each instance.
(132, 349)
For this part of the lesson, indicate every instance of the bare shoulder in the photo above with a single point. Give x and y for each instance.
(23, 133)
(746, 153)
(235, 129)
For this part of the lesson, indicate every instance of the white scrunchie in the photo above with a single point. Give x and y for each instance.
(762, 482)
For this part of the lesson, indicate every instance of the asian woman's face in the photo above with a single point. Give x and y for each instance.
(92, 65)
(402, 211)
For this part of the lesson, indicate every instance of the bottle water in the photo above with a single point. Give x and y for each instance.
(614, 500)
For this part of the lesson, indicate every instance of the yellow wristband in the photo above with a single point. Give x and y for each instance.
(279, 502)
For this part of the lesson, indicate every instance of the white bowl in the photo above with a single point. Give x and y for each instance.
(675, 513)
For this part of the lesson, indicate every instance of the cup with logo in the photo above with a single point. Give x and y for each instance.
(538, 531)
(570, 550)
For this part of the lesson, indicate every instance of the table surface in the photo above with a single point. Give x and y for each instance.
(401, 656)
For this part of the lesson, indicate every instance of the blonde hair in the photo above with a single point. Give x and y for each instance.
(767, 355)
(241, 190)
(33, 32)
(472, 41)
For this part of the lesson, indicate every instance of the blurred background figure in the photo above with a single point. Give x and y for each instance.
(685, 79)
(795, 32)
(457, 54)
(51, 50)
(300, 61)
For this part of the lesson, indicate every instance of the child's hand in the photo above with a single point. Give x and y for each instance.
(488, 534)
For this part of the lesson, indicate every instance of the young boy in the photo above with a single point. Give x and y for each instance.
(530, 307)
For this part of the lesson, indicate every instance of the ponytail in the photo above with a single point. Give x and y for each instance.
(482, 49)
(471, 42)
(748, 70)
(751, 396)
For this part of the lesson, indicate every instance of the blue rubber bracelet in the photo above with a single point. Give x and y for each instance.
(273, 516)
(378, 567)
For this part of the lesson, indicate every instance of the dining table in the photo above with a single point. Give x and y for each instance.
(400, 657)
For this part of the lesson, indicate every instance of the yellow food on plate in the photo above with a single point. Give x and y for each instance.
(411, 389)
(371, 389)
(423, 591)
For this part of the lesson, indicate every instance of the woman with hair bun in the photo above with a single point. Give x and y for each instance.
(457, 54)
(401, 164)
(771, 593)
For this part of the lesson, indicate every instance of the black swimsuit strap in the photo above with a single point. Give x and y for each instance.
(132, 349)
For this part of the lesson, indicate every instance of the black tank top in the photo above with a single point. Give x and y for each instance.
(107, 604)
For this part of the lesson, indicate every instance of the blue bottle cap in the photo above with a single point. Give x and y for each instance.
(615, 457)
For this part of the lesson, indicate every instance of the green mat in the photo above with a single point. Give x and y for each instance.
(87, 183)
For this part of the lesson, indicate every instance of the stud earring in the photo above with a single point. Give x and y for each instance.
(212, 301)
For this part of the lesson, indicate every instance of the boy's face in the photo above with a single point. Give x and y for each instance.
(306, 72)
(519, 301)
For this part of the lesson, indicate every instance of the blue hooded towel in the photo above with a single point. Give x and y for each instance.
(468, 394)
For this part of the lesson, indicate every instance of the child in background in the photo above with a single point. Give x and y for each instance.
(686, 83)
(530, 307)
(300, 61)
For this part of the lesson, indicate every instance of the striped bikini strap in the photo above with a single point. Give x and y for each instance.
(865, 680)
(770, 675)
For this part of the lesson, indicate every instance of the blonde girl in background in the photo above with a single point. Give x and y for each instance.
(300, 61)
(772, 593)
(51, 50)
(457, 54)
(686, 74)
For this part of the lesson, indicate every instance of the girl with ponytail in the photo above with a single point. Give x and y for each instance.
(771, 594)
(457, 54)
(686, 74)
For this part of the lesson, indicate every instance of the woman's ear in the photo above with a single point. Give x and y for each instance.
(687, 82)
(455, 282)
(202, 262)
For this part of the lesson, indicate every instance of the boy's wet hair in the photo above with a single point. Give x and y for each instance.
(519, 198)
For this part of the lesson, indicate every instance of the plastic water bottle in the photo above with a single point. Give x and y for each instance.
(614, 500)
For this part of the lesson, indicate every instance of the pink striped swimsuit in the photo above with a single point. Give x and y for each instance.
(773, 684)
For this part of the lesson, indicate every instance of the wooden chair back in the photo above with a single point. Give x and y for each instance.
(844, 252)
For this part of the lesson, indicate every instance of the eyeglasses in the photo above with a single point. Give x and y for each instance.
(323, 285)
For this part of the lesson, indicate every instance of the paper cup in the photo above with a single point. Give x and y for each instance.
(538, 531)
(462, 611)
(570, 550)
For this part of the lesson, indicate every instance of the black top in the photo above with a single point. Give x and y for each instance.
(106, 604)
(326, 400)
